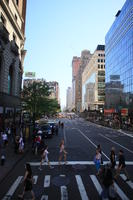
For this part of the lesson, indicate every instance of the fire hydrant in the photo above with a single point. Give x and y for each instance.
(3, 160)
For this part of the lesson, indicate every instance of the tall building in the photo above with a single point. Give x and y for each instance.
(69, 99)
(119, 62)
(93, 81)
(54, 89)
(12, 53)
(75, 69)
(85, 58)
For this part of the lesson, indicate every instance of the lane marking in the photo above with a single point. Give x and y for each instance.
(54, 163)
(96, 183)
(120, 192)
(92, 142)
(13, 188)
(64, 193)
(47, 181)
(116, 143)
(35, 179)
(81, 188)
(130, 135)
(64, 133)
(44, 197)
(130, 183)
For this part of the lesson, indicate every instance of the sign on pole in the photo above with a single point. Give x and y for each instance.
(30, 74)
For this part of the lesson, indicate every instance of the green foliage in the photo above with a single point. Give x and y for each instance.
(36, 100)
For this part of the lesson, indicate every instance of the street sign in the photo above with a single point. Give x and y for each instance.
(30, 74)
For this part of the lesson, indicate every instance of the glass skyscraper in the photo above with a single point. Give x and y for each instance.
(119, 62)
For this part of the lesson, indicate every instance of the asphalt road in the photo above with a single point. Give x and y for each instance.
(77, 179)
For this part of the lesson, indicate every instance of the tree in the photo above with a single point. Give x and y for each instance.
(36, 100)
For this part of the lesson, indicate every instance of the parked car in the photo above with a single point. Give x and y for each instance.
(53, 125)
(46, 130)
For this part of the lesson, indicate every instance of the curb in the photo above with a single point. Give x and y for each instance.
(13, 166)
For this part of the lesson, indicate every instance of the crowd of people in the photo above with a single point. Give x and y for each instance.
(109, 173)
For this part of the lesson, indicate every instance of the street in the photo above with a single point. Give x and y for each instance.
(77, 179)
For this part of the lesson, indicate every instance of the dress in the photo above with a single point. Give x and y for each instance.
(28, 182)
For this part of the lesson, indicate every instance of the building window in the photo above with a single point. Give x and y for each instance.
(98, 66)
(16, 17)
(101, 66)
(98, 60)
(17, 2)
(10, 80)
(101, 60)
(14, 37)
(2, 19)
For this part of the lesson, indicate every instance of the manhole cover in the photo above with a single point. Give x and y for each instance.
(79, 167)
(60, 180)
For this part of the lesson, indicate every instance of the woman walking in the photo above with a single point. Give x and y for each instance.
(112, 158)
(28, 182)
(97, 161)
(62, 152)
(45, 158)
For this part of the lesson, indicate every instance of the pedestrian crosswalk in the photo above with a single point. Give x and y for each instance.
(93, 185)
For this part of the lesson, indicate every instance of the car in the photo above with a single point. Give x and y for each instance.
(46, 130)
(53, 126)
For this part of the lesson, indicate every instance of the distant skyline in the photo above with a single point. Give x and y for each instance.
(60, 29)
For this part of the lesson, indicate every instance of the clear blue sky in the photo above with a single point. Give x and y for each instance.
(57, 30)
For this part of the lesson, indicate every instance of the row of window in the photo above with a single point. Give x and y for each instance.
(101, 55)
(101, 66)
(16, 1)
(101, 60)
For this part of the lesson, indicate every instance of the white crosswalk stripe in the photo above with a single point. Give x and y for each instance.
(13, 188)
(64, 193)
(35, 179)
(96, 183)
(83, 190)
(120, 192)
(47, 181)
(130, 183)
(44, 197)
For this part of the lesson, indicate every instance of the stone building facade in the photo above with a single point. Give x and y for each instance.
(12, 53)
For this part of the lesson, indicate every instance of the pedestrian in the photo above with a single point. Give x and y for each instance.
(97, 161)
(44, 157)
(28, 182)
(59, 124)
(100, 151)
(16, 144)
(56, 130)
(62, 152)
(121, 166)
(62, 125)
(21, 145)
(109, 190)
(5, 138)
(112, 158)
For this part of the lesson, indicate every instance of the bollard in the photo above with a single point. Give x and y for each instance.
(2, 160)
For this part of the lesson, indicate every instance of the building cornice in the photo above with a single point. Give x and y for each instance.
(12, 19)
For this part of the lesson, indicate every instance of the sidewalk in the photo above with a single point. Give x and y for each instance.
(11, 160)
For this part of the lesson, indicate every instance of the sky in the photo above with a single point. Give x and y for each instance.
(57, 30)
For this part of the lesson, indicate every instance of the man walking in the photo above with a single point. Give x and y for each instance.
(121, 166)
